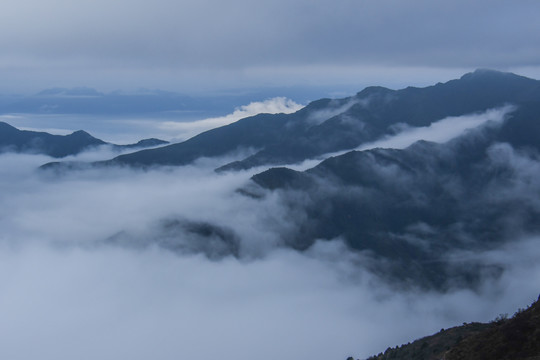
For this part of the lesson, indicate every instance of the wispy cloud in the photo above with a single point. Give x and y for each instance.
(333, 108)
(64, 278)
(276, 105)
(440, 131)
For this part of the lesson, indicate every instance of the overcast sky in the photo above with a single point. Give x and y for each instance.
(190, 45)
(69, 295)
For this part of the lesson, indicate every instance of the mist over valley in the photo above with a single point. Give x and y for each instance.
(280, 231)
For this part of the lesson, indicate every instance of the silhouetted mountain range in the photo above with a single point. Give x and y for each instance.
(326, 125)
(415, 211)
(414, 206)
(15, 140)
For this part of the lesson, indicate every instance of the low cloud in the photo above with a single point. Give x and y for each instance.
(112, 303)
(72, 292)
(185, 130)
(333, 108)
(440, 131)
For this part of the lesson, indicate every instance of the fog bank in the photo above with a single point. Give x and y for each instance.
(69, 291)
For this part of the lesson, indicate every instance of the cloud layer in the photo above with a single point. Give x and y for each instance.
(440, 131)
(72, 292)
(209, 44)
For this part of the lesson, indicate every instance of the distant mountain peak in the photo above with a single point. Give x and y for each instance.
(151, 142)
(75, 92)
(374, 90)
(488, 73)
(484, 71)
(81, 133)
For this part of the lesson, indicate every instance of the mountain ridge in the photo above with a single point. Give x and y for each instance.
(330, 125)
(421, 202)
(58, 146)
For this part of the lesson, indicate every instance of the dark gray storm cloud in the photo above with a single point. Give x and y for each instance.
(210, 43)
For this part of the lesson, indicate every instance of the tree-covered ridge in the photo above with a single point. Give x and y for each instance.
(504, 338)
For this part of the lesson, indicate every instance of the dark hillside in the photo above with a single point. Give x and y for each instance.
(414, 206)
(326, 126)
(517, 338)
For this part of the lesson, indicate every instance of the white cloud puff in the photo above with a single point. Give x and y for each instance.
(275, 105)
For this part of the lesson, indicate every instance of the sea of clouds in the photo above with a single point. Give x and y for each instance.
(67, 290)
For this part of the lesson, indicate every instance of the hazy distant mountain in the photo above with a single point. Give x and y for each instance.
(88, 101)
(326, 126)
(409, 209)
(416, 205)
(15, 140)
(185, 237)
(73, 92)
(144, 143)
(515, 338)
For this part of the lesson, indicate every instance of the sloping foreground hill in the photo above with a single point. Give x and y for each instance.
(412, 208)
(326, 126)
(58, 146)
(517, 338)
